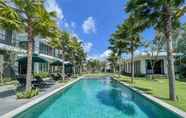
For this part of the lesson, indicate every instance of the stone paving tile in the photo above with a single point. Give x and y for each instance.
(8, 101)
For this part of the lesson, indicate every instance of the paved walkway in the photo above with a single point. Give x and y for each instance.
(8, 101)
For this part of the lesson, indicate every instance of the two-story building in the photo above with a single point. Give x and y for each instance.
(8, 53)
(42, 48)
(13, 46)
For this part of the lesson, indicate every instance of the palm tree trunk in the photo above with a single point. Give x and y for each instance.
(170, 58)
(74, 69)
(119, 67)
(80, 69)
(63, 68)
(114, 69)
(29, 57)
(132, 62)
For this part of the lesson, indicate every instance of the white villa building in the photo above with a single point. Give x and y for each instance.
(13, 46)
(142, 64)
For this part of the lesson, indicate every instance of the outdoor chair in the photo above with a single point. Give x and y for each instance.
(21, 79)
(36, 82)
(56, 76)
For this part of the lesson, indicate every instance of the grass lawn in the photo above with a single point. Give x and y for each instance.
(8, 83)
(159, 88)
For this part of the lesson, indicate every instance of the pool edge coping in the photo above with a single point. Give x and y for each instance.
(156, 100)
(35, 101)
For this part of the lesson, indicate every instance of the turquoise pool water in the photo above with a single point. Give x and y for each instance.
(97, 99)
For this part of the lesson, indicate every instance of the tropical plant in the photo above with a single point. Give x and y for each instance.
(9, 18)
(36, 21)
(27, 94)
(113, 59)
(153, 49)
(117, 46)
(94, 65)
(180, 43)
(164, 16)
(128, 35)
(75, 54)
(62, 43)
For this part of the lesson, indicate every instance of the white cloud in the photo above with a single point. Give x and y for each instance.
(66, 25)
(73, 24)
(105, 54)
(51, 5)
(87, 46)
(92, 57)
(69, 25)
(89, 25)
(101, 56)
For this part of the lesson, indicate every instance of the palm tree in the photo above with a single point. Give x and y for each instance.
(9, 19)
(64, 45)
(36, 21)
(62, 42)
(76, 53)
(163, 15)
(117, 45)
(128, 37)
(112, 58)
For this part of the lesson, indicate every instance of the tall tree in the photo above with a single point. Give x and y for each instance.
(153, 49)
(62, 42)
(113, 58)
(163, 15)
(128, 33)
(76, 54)
(117, 46)
(36, 21)
(9, 18)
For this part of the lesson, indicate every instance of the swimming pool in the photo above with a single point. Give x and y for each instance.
(95, 98)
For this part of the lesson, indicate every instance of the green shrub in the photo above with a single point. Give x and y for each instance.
(182, 72)
(27, 94)
(41, 75)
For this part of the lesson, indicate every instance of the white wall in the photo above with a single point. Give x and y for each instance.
(36, 46)
(36, 67)
(143, 67)
(1, 63)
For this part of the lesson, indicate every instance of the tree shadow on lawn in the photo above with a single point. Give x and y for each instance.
(149, 91)
(181, 80)
(126, 81)
(162, 98)
(113, 98)
(146, 90)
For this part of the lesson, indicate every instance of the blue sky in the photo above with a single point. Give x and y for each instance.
(93, 21)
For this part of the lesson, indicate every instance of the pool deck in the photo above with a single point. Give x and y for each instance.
(21, 106)
(8, 101)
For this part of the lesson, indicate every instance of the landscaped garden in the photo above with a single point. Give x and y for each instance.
(159, 88)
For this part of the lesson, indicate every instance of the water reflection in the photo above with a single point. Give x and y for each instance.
(113, 98)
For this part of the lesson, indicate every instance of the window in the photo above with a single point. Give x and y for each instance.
(23, 44)
(43, 67)
(2, 34)
(43, 48)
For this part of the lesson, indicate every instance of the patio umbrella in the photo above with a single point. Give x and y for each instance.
(35, 59)
(57, 63)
